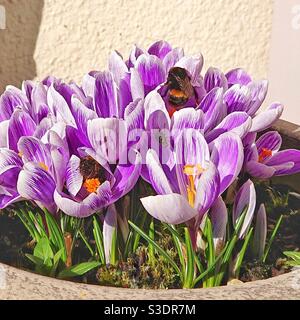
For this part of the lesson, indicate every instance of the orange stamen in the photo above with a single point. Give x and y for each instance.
(265, 153)
(43, 166)
(171, 111)
(192, 171)
(92, 185)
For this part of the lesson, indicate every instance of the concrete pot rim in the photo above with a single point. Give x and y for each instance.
(19, 284)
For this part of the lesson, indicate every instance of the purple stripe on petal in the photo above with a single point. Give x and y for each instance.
(271, 140)
(238, 98)
(160, 49)
(215, 78)
(288, 157)
(265, 119)
(134, 54)
(237, 122)
(151, 71)
(105, 96)
(259, 170)
(207, 190)
(8, 197)
(170, 208)
(36, 184)
(228, 156)
(74, 179)
(172, 58)
(9, 176)
(258, 92)
(157, 176)
(20, 124)
(238, 76)
(245, 198)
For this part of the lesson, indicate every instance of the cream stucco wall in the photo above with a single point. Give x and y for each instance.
(75, 36)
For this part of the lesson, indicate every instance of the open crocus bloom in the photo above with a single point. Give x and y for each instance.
(197, 179)
(97, 177)
(264, 160)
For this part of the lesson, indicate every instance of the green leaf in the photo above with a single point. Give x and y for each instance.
(43, 250)
(37, 261)
(241, 254)
(294, 255)
(55, 234)
(151, 248)
(79, 269)
(114, 249)
(272, 239)
(190, 266)
(156, 246)
(98, 236)
(208, 232)
(85, 240)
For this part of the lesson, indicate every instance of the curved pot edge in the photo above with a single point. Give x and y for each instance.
(19, 284)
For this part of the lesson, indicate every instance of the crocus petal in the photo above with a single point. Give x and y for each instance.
(157, 176)
(213, 108)
(258, 92)
(134, 115)
(59, 107)
(109, 227)
(265, 119)
(237, 122)
(134, 54)
(156, 114)
(126, 177)
(187, 118)
(170, 208)
(117, 66)
(238, 76)
(238, 98)
(228, 156)
(36, 184)
(8, 197)
(105, 96)
(259, 170)
(33, 150)
(288, 157)
(104, 136)
(9, 157)
(88, 84)
(74, 179)
(151, 71)
(172, 58)
(4, 133)
(246, 197)
(208, 189)
(160, 49)
(91, 204)
(260, 232)
(20, 124)
(271, 140)
(215, 78)
(9, 176)
(219, 218)
(136, 85)
(193, 65)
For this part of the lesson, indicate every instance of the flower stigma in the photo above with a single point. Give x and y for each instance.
(192, 171)
(264, 154)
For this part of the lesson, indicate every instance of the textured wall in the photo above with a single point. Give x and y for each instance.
(76, 36)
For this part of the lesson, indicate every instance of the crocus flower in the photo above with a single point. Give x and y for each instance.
(197, 179)
(263, 158)
(87, 191)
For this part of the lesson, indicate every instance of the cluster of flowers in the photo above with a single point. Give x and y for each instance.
(79, 149)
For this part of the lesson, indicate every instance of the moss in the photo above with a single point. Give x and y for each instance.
(139, 272)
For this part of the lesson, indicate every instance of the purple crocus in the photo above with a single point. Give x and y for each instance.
(199, 177)
(86, 192)
(263, 158)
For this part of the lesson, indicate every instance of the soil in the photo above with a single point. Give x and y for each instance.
(15, 242)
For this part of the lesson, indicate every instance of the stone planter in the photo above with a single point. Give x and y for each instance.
(19, 284)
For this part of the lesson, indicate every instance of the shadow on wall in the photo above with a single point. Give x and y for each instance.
(18, 40)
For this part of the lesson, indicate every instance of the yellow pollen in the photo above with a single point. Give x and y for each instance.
(43, 166)
(192, 171)
(92, 185)
(20, 154)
